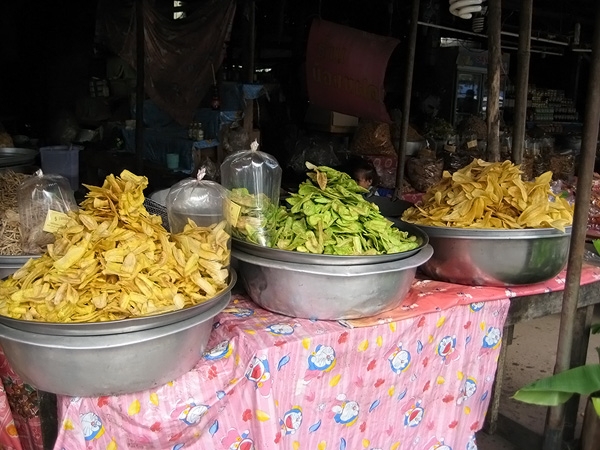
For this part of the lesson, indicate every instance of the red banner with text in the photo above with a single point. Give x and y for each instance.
(345, 70)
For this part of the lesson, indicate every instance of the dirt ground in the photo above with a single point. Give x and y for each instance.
(530, 356)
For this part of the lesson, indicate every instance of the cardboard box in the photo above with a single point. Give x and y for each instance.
(330, 121)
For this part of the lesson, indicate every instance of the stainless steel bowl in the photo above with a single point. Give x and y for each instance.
(110, 364)
(334, 260)
(494, 257)
(327, 292)
(120, 326)
(10, 264)
(17, 156)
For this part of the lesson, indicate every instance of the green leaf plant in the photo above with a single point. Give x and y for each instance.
(558, 388)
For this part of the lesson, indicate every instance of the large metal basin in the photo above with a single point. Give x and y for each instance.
(494, 257)
(335, 260)
(10, 156)
(327, 292)
(114, 364)
(123, 325)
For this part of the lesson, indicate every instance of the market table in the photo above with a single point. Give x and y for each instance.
(416, 377)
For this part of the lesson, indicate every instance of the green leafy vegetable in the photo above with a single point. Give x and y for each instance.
(329, 215)
(596, 243)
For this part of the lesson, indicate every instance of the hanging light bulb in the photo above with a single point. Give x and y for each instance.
(478, 21)
(465, 8)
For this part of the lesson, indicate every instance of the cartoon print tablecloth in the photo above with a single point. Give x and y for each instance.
(426, 295)
(274, 382)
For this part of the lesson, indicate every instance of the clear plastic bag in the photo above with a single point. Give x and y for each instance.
(202, 201)
(424, 172)
(253, 179)
(44, 201)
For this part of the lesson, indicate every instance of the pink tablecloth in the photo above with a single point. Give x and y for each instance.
(273, 382)
(418, 377)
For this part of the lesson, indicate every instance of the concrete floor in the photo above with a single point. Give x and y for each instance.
(530, 356)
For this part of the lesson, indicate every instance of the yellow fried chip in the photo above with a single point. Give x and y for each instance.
(114, 260)
(491, 195)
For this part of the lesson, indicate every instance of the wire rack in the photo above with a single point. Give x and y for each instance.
(158, 210)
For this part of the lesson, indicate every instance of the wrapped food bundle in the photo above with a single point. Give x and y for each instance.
(10, 230)
(329, 215)
(113, 260)
(491, 195)
(425, 170)
(373, 138)
(43, 202)
(196, 199)
(253, 179)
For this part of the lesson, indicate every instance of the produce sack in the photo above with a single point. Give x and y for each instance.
(372, 138)
(425, 170)
(43, 201)
(200, 201)
(253, 179)
(10, 227)
(318, 149)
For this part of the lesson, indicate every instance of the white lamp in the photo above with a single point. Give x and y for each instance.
(465, 8)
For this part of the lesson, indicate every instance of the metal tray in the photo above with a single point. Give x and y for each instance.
(16, 259)
(27, 169)
(16, 156)
(119, 326)
(334, 260)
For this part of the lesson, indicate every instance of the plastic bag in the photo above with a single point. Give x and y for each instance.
(424, 172)
(372, 138)
(202, 201)
(44, 201)
(314, 149)
(253, 179)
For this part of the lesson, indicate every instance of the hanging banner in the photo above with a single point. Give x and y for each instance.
(345, 70)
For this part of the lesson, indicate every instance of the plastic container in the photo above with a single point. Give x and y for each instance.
(253, 179)
(44, 200)
(62, 160)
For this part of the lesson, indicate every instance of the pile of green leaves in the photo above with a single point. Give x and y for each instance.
(329, 215)
(257, 217)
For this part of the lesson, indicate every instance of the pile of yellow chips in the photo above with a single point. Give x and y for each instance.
(491, 195)
(113, 260)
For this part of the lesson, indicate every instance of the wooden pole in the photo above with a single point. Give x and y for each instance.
(556, 416)
(522, 81)
(408, 77)
(249, 14)
(493, 80)
(140, 91)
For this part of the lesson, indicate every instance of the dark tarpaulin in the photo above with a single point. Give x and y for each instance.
(179, 53)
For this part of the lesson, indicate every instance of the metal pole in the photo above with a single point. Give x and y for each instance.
(139, 92)
(556, 416)
(523, 55)
(494, 69)
(408, 77)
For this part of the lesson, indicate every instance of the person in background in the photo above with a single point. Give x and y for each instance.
(364, 173)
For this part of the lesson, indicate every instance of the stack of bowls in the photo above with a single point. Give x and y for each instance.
(114, 357)
(328, 287)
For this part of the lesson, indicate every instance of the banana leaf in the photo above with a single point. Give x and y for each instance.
(557, 389)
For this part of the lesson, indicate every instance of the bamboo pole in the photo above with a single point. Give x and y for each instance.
(140, 91)
(523, 55)
(556, 416)
(408, 77)
(493, 80)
